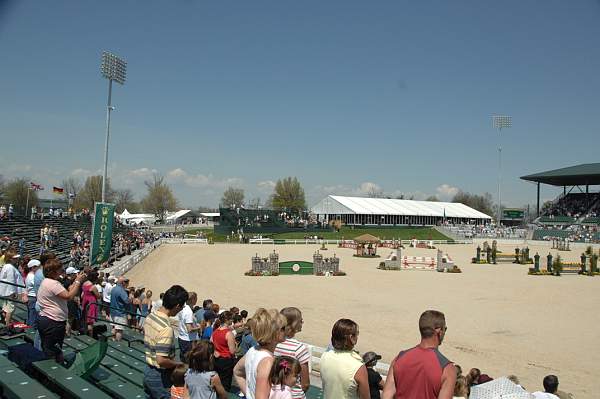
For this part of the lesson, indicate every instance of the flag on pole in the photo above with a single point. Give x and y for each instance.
(57, 190)
(36, 187)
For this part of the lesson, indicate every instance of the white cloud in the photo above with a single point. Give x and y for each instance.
(362, 190)
(80, 172)
(446, 192)
(266, 186)
(367, 188)
(142, 172)
(176, 173)
(202, 181)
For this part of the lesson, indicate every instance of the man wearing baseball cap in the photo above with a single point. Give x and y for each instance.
(33, 265)
(375, 381)
(13, 289)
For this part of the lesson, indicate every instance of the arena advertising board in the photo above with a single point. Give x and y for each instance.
(104, 215)
(513, 213)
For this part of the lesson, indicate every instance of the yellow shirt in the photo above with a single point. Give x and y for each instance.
(158, 337)
(337, 373)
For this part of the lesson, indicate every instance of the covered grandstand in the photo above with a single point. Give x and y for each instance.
(358, 211)
(572, 178)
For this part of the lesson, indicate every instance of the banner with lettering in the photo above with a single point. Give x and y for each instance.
(104, 215)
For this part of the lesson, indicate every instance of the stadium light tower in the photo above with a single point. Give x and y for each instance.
(114, 69)
(500, 122)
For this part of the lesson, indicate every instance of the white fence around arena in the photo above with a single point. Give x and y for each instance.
(303, 241)
(122, 267)
(314, 364)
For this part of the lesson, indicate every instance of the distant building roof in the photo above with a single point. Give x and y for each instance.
(178, 214)
(579, 175)
(338, 205)
(210, 214)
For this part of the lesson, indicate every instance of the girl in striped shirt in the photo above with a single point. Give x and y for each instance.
(295, 349)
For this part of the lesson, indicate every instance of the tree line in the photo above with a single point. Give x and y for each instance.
(288, 195)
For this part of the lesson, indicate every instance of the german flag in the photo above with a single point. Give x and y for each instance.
(57, 190)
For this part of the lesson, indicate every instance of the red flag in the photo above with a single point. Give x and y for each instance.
(57, 190)
(36, 187)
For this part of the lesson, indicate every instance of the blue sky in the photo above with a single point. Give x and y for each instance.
(345, 95)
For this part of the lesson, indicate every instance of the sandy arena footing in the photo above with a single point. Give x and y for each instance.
(499, 319)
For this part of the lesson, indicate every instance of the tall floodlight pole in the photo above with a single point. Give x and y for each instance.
(500, 122)
(114, 69)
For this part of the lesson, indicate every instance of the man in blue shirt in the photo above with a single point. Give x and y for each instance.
(119, 302)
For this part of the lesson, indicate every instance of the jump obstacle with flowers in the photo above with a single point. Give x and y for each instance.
(441, 262)
(320, 266)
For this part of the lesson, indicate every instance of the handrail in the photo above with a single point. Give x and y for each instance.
(102, 305)
(7, 298)
(13, 284)
(99, 304)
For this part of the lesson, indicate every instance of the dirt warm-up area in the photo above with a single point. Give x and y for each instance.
(499, 319)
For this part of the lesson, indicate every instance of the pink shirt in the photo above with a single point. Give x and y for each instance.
(278, 393)
(51, 305)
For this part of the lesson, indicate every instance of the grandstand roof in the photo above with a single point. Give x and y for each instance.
(338, 205)
(579, 175)
(178, 214)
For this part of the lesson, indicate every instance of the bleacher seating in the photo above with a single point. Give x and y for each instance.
(555, 220)
(591, 220)
(574, 204)
(261, 221)
(30, 229)
(541, 234)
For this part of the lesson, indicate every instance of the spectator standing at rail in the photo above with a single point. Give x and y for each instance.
(423, 372)
(343, 373)
(159, 344)
(188, 330)
(13, 289)
(52, 298)
(33, 266)
(119, 304)
(293, 348)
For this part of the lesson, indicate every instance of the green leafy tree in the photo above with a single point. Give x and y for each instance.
(232, 197)
(15, 192)
(289, 195)
(160, 197)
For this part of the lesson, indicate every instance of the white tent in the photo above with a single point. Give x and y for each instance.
(137, 218)
(176, 215)
(393, 211)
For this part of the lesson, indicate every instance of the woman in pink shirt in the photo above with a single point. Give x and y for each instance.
(52, 298)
